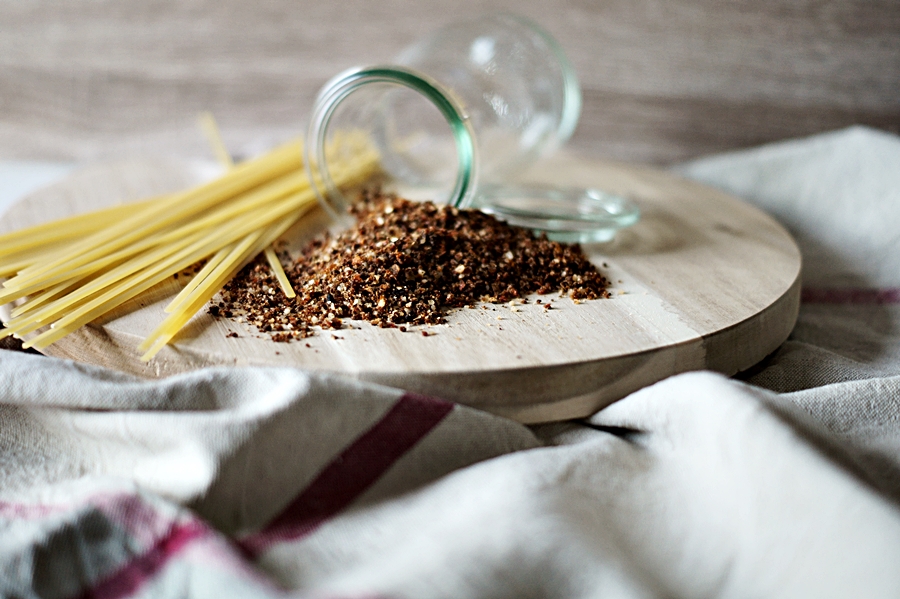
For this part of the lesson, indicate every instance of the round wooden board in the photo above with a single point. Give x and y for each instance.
(703, 281)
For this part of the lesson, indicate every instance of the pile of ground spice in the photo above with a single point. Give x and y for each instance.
(407, 263)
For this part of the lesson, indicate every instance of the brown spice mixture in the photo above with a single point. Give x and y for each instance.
(407, 263)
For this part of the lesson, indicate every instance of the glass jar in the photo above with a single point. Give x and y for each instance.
(457, 115)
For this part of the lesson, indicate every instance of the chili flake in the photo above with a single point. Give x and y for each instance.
(408, 263)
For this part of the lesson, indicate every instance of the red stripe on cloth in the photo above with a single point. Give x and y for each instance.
(850, 295)
(353, 471)
(132, 576)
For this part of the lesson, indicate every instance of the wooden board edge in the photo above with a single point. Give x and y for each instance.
(772, 326)
(597, 383)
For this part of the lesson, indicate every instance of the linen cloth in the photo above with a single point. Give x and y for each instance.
(265, 482)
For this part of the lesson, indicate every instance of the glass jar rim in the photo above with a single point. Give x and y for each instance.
(345, 84)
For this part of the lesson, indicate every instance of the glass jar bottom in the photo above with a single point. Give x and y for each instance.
(566, 214)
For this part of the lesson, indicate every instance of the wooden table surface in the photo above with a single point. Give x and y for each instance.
(663, 81)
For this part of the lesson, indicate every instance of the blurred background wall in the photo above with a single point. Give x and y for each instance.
(663, 80)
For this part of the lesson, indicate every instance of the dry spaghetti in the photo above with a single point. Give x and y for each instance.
(69, 272)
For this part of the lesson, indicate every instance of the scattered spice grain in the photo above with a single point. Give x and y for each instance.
(404, 264)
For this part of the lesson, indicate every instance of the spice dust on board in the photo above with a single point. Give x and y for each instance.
(405, 264)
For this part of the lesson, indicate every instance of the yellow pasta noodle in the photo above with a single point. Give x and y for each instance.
(213, 135)
(71, 271)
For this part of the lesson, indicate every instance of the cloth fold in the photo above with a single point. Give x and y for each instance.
(266, 482)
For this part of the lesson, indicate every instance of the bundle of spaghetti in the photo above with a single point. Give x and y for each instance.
(72, 271)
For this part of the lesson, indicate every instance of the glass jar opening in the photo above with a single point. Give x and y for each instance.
(421, 134)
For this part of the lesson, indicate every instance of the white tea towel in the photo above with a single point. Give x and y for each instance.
(265, 482)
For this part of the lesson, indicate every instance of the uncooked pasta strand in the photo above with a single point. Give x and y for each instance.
(278, 271)
(240, 179)
(76, 269)
(66, 229)
(229, 267)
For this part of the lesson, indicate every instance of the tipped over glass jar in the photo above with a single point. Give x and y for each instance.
(455, 117)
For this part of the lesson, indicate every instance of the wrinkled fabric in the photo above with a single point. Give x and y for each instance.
(263, 482)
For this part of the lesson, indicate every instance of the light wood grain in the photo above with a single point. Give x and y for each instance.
(663, 81)
(703, 281)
